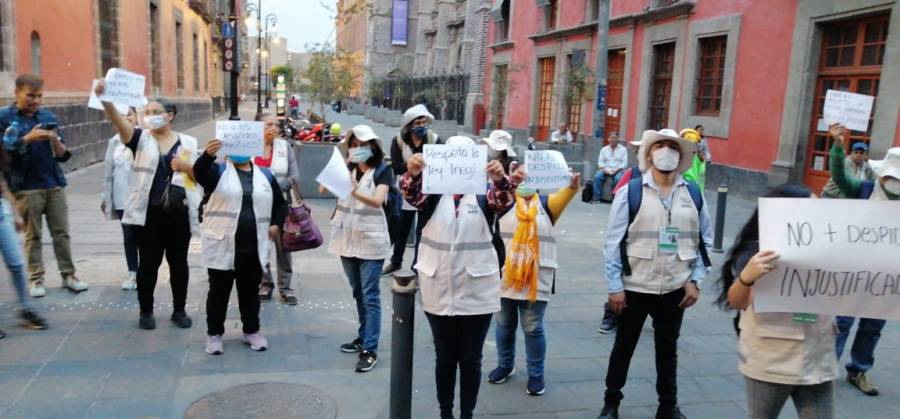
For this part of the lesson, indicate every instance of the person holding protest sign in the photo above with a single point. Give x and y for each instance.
(414, 134)
(459, 274)
(117, 164)
(243, 211)
(886, 187)
(856, 165)
(528, 232)
(782, 355)
(655, 252)
(35, 150)
(279, 158)
(163, 201)
(612, 162)
(359, 236)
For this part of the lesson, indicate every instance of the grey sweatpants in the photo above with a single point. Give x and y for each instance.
(765, 400)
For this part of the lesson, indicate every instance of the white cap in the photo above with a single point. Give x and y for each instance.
(459, 140)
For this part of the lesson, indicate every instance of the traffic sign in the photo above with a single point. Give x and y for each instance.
(227, 31)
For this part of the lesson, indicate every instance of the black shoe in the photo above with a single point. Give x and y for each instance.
(32, 320)
(265, 294)
(2, 334)
(391, 268)
(672, 412)
(147, 322)
(288, 297)
(352, 347)
(609, 323)
(367, 361)
(609, 412)
(181, 319)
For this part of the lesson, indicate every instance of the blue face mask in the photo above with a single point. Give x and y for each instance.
(239, 159)
(420, 132)
(360, 154)
(525, 192)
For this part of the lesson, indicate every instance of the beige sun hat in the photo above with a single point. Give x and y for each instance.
(459, 140)
(500, 140)
(890, 166)
(361, 133)
(651, 137)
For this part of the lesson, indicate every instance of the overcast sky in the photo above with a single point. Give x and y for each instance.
(302, 22)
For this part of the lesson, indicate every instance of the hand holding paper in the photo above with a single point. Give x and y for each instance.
(547, 169)
(123, 87)
(335, 176)
(240, 138)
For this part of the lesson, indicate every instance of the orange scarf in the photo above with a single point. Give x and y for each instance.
(521, 268)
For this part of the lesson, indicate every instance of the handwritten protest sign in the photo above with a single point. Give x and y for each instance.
(94, 101)
(455, 169)
(240, 138)
(123, 87)
(849, 109)
(546, 169)
(335, 176)
(837, 256)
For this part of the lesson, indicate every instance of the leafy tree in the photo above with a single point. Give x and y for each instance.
(331, 75)
(286, 71)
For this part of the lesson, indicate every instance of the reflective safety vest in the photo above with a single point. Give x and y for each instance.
(458, 269)
(357, 229)
(279, 167)
(220, 218)
(546, 251)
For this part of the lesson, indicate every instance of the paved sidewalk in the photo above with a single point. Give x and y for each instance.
(94, 362)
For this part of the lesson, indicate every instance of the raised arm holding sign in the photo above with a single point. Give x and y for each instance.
(849, 109)
(547, 169)
(240, 138)
(124, 88)
(454, 169)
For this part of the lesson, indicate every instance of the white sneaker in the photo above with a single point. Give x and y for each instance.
(74, 284)
(131, 282)
(214, 345)
(256, 341)
(37, 290)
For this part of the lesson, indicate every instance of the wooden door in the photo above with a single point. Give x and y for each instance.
(851, 59)
(545, 100)
(615, 83)
(661, 87)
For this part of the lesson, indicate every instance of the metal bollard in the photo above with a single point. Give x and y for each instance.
(404, 290)
(721, 201)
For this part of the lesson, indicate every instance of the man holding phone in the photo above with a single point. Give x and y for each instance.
(37, 181)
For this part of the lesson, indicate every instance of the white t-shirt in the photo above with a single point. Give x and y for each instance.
(557, 137)
(613, 159)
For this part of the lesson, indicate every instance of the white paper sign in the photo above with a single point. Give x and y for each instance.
(94, 101)
(240, 138)
(455, 169)
(837, 256)
(546, 169)
(849, 109)
(123, 87)
(335, 176)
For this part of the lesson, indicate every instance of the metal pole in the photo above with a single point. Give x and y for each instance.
(592, 148)
(258, 57)
(721, 201)
(403, 322)
(235, 73)
(268, 60)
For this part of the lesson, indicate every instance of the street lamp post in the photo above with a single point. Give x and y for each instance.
(258, 9)
(271, 20)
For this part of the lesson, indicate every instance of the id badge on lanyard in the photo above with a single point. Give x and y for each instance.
(668, 235)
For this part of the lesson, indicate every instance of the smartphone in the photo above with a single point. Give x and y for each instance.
(50, 126)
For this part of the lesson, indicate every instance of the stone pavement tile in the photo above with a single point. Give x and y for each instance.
(511, 398)
(717, 410)
(14, 380)
(140, 378)
(57, 397)
(706, 365)
(138, 406)
(724, 388)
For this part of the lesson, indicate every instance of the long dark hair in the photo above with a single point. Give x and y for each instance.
(750, 234)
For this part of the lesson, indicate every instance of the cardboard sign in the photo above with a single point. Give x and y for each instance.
(837, 257)
(335, 176)
(123, 87)
(94, 101)
(546, 169)
(851, 110)
(240, 138)
(455, 169)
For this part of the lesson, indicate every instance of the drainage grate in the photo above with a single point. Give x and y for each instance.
(265, 400)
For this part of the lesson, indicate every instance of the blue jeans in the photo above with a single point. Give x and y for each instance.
(862, 353)
(598, 182)
(364, 276)
(531, 316)
(12, 254)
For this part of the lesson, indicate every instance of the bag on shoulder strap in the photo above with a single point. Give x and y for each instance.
(299, 232)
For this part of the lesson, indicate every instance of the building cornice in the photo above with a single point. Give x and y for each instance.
(584, 28)
(680, 8)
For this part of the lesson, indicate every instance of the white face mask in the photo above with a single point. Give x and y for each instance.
(892, 186)
(666, 159)
(155, 121)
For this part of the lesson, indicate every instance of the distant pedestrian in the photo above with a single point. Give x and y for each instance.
(413, 136)
(11, 223)
(459, 275)
(703, 145)
(163, 200)
(697, 172)
(359, 236)
(294, 107)
(278, 157)
(243, 211)
(117, 173)
(36, 178)
(611, 163)
(528, 232)
(562, 135)
(782, 355)
(655, 259)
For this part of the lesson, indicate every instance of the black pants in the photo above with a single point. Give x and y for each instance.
(162, 234)
(246, 274)
(667, 316)
(402, 226)
(458, 341)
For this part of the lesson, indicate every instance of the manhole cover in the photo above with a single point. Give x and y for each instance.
(265, 400)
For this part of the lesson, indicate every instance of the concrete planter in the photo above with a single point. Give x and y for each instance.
(370, 112)
(312, 158)
(393, 118)
(379, 115)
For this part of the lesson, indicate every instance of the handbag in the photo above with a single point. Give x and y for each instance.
(174, 197)
(299, 231)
